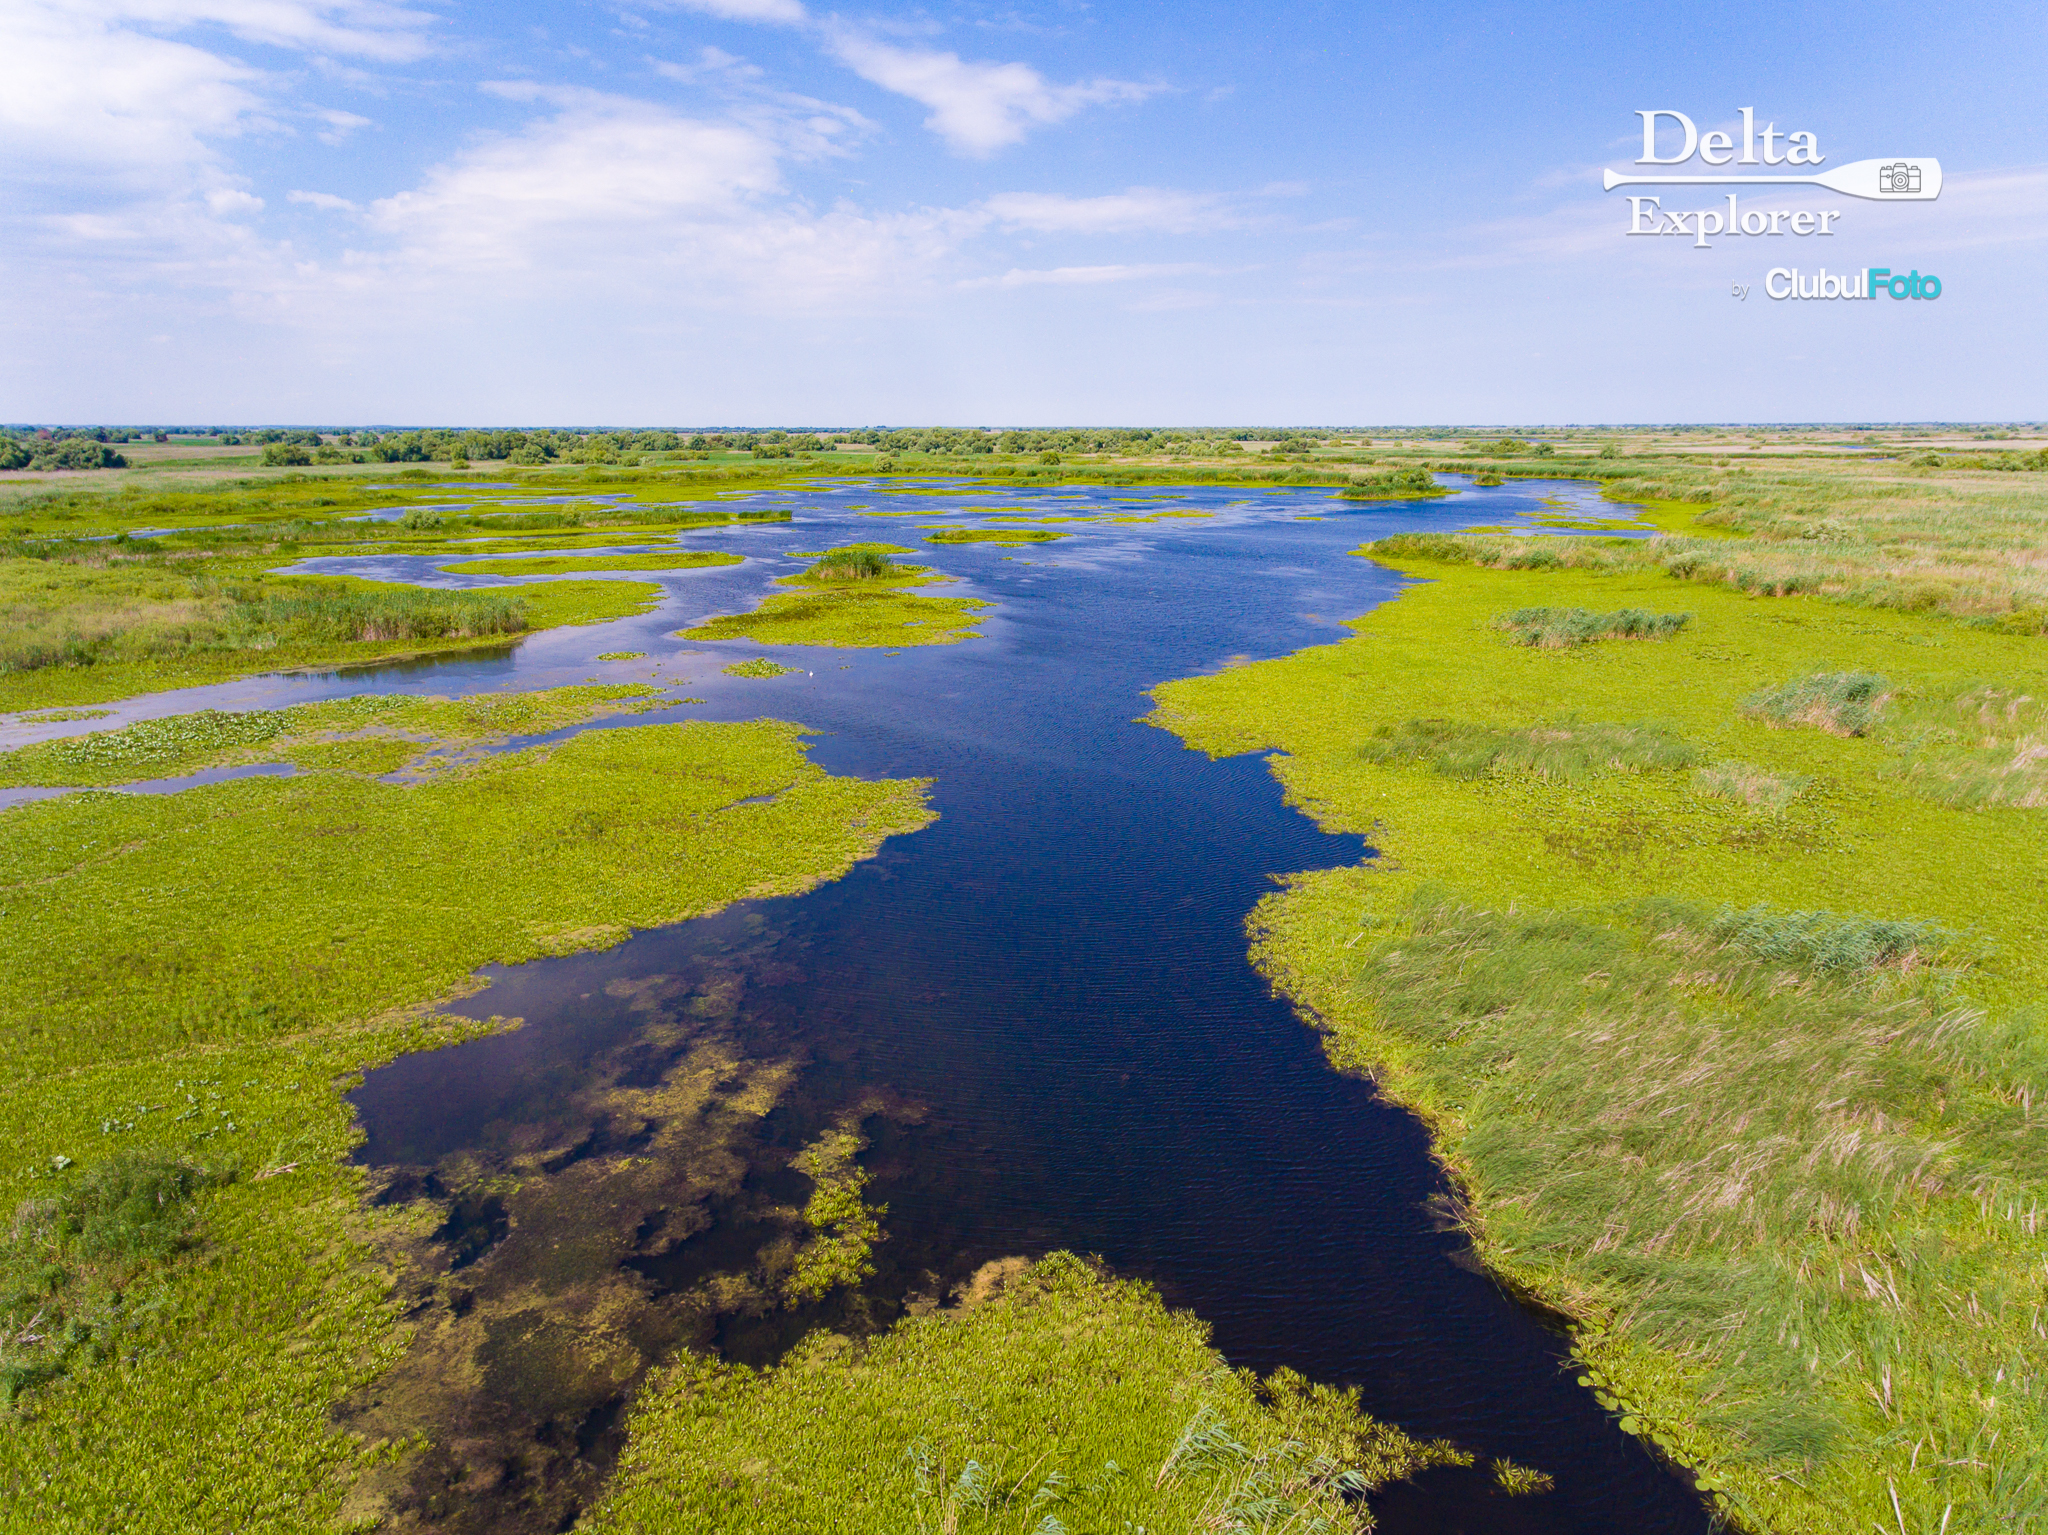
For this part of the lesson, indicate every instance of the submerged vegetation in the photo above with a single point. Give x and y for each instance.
(190, 981)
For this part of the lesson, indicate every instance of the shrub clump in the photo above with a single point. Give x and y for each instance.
(1560, 628)
(1411, 481)
(1563, 749)
(1841, 703)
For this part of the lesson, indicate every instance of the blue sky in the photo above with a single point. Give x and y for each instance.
(771, 212)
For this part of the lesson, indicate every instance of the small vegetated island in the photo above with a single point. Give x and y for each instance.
(852, 596)
(1705, 936)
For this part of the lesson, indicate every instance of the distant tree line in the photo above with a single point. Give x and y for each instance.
(82, 447)
(47, 450)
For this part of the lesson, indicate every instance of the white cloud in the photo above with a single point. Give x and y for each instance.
(357, 28)
(96, 86)
(227, 201)
(1152, 209)
(663, 207)
(327, 202)
(601, 163)
(1069, 276)
(76, 91)
(339, 125)
(775, 12)
(977, 108)
(807, 125)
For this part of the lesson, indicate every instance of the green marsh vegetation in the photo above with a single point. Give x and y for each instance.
(1751, 785)
(91, 613)
(1558, 628)
(856, 562)
(1734, 1056)
(850, 551)
(370, 727)
(852, 597)
(1553, 749)
(82, 1271)
(760, 666)
(192, 980)
(1841, 703)
(993, 536)
(86, 622)
(1047, 1398)
(1965, 538)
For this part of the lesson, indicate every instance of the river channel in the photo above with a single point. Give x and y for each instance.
(1050, 982)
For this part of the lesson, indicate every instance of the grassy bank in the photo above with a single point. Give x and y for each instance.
(1953, 538)
(1712, 954)
(1047, 1399)
(190, 981)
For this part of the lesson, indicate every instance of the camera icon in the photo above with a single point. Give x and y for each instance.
(1898, 178)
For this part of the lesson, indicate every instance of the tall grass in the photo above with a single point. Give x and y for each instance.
(1560, 628)
(1983, 748)
(1973, 545)
(1841, 703)
(82, 635)
(855, 563)
(1768, 1144)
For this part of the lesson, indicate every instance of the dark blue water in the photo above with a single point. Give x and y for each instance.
(1056, 972)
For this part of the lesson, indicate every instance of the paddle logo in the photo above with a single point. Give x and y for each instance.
(1785, 163)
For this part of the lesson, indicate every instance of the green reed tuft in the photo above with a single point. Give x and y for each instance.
(1561, 628)
(1564, 749)
(1841, 703)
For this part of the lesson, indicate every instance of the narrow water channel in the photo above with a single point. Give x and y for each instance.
(1050, 985)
